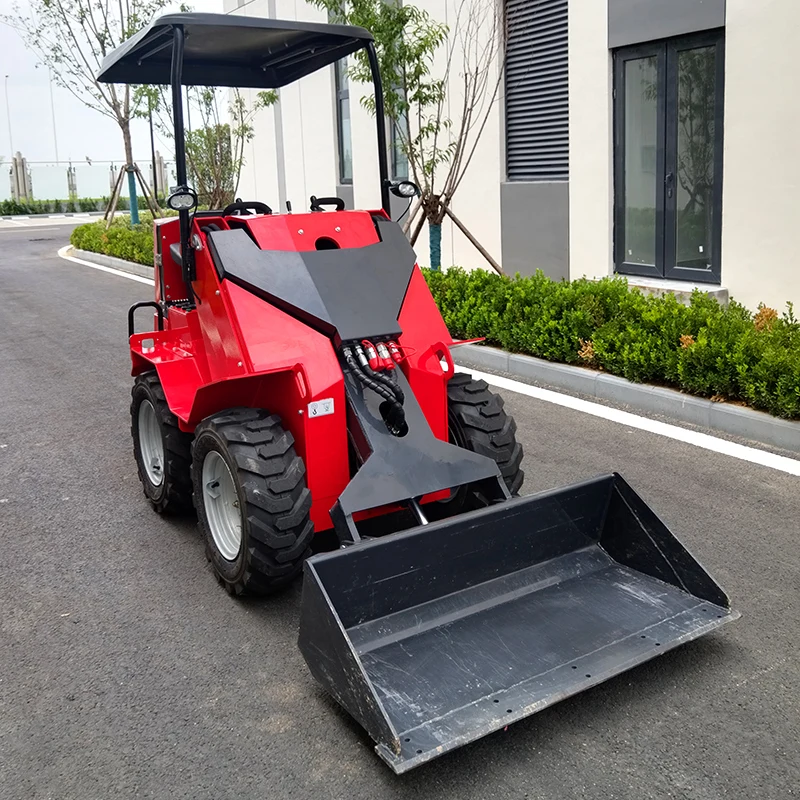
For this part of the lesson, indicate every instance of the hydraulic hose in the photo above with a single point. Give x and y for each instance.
(363, 357)
(378, 387)
(366, 380)
(364, 362)
(389, 382)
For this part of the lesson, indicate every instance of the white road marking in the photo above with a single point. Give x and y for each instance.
(138, 278)
(40, 222)
(696, 438)
(36, 228)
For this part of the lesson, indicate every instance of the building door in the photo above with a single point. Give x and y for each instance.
(668, 114)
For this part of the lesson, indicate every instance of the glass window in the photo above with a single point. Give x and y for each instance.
(345, 139)
(668, 158)
(398, 157)
(695, 158)
(641, 119)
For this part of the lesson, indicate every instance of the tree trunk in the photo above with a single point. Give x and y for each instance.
(125, 126)
(435, 243)
(432, 208)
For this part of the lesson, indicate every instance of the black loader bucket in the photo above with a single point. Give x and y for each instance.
(436, 636)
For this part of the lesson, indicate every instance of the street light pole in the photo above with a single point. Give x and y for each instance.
(53, 112)
(8, 114)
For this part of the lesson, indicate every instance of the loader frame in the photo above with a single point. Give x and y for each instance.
(430, 636)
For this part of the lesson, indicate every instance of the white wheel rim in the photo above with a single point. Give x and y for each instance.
(221, 503)
(151, 443)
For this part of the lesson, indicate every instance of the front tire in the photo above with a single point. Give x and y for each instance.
(162, 450)
(252, 501)
(478, 422)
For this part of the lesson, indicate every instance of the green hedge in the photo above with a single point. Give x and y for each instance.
(15, 208)
(122, 240)
(722, 352)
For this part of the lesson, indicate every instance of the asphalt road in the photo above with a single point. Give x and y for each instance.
(126, 671)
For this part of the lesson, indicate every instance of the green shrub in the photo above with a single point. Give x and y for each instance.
(71, 206)
(121, 240)
(704, 348)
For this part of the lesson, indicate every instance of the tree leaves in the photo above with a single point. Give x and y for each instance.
(214, 149)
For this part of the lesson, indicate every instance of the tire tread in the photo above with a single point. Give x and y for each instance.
(486, 427)
(177, 497)
(278, 501)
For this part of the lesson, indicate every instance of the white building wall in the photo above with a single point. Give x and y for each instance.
(477, 203)
(310, 145)
(366, 178)
(761, 161)
(761, 179)
(308, 126)
(477, 200)
(591, 184)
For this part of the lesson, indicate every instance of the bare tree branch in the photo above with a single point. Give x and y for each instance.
(72, 37)
(439, 150)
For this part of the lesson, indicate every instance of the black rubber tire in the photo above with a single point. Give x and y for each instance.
(270, 480)
(478, 422)
(174, 493)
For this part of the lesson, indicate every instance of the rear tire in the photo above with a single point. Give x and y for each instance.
(253, 504)
(478, 422)
(162, 450)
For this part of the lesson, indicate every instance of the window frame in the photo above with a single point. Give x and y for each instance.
(666, 52)
(621, 57)
(672, 270)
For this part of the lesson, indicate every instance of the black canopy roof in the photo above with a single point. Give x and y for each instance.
(231, 50)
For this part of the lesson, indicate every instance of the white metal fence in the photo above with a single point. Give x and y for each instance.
(68, 180)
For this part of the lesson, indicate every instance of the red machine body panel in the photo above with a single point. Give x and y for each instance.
(300, 232)
(235, 349)
(168, 278)
(426, 342)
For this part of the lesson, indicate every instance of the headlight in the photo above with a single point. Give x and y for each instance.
(182, 199)
(404, 189)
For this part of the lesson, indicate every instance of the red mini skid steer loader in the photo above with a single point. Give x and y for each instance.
(299, 380)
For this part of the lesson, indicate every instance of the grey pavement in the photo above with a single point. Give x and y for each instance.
(127, 672)
(46, 221)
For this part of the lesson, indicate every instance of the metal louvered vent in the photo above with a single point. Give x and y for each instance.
(537, 91)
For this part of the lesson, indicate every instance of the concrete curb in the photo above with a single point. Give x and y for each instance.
(141, 270)
(735, 420)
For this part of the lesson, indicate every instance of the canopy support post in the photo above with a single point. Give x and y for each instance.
(176, 77)
(380, 118)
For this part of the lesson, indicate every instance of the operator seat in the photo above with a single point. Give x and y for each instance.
(175, 247)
